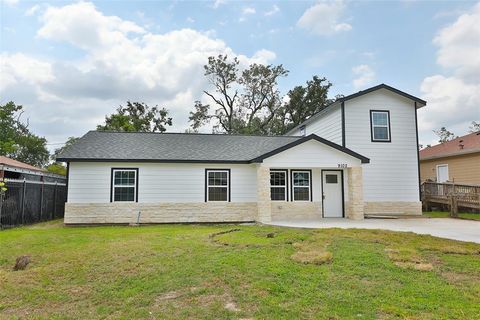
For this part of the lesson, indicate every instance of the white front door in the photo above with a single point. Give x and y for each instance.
(332, 187)
(442, 173)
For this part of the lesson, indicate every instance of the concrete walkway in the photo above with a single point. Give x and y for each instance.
(455, 229)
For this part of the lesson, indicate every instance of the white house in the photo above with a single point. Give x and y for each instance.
(357, 156)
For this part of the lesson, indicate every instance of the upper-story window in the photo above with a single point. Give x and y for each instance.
(303, 130)
(124, 185)
(380, 125)
(218, 185)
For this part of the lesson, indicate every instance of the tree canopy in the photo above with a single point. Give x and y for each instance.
(248, 101)
(137, 116)
(17, 141)
(444, 135)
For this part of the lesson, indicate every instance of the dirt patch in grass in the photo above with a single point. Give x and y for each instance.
(311, 253)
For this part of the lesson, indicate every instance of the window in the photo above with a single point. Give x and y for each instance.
(303, 130)
(380, 125)
(278, 185)
(124, 185)
(301, 185)
(218, 185)
(331, 178)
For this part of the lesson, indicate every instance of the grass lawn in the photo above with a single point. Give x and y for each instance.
(444, 214)
(204, 271)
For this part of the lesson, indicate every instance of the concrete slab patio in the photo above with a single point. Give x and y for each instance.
(455, 229)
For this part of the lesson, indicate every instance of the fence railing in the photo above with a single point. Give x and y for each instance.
(27, 202)
(462, 195)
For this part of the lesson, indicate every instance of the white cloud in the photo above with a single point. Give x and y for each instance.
(190, 20)
(324, 18)
(249, 10)
(275, 9)
(121, 61)
(364, 75)
(10, 2)
(218, 3)
(454, 97)
(32, 10)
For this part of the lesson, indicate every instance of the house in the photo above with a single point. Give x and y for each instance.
(456, 161)
(358, 156)
(17, 170)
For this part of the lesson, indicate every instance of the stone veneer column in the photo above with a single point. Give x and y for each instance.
(264, 206)
(355, 206)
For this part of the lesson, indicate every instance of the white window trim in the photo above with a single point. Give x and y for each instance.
(285, 187)
(380, 126)
(309, 185)
(124, 186)
(227, 186)
(437, 172)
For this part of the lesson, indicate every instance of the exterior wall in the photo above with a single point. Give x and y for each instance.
(89, 182)
(329, 128)
(296, 210)
(392, 174)
(393, 208)
(125, 213)
(461, 169)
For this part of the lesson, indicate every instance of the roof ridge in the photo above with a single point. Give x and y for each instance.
(197, 133)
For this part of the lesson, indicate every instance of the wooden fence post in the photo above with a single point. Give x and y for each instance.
(453, 206)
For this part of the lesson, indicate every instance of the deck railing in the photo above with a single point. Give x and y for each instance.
(463, 195)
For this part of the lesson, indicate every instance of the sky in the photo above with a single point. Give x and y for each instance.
(71, 63)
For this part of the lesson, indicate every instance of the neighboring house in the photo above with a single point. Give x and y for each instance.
(358, 156)
(16, 170)
(453, 161)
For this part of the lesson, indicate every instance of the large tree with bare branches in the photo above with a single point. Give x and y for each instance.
(242, 101)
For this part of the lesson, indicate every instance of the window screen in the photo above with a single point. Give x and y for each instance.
(124, 185)
(301, 185)
(218, 185)
(278, 185)
(380, 125)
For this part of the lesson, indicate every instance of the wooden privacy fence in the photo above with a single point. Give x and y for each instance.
(451, 194)
(27, 202)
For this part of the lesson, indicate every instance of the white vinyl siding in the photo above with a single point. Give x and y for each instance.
(89, 182)
(330, 126)
(392, 174)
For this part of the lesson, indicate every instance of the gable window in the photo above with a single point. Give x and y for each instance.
(278, 185)
(303, 130)
(124, 185)
(301, 185)
(217, 185)
(380, 125)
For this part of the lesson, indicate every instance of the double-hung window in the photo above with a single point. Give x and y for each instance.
(301, 185)
(380, 125)
(217, 185)
(278, 185)
(124, 185)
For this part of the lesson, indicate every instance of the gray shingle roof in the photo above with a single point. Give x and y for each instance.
(174, 147)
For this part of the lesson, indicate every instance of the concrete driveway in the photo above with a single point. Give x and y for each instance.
(455, 229)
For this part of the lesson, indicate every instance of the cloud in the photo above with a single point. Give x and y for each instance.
(32, 10)
(121, 61)
(249, 10)
(364, 75)
(454, 96)
(10, 2)
(275, 9)
(324, 18)
(218, 3)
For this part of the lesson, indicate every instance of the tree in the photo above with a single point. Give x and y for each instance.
(444, 135)
(57, 168)
(137, 116)
(475, 127)
(17, 141)
(243, 101)
(303, 102)
(68, 143)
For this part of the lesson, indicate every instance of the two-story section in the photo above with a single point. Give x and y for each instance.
(380, 123)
